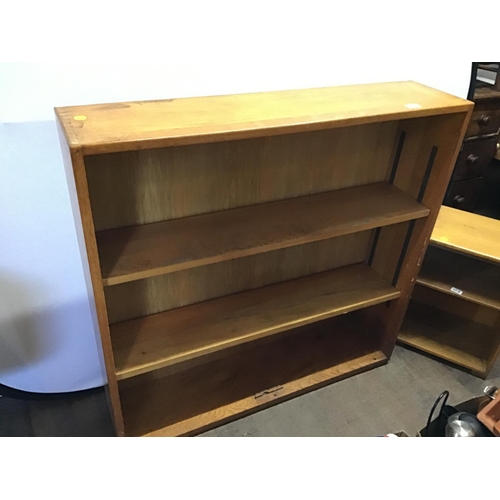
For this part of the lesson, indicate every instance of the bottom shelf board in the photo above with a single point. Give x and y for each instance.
(447, 336)
(175, 401)
(156, 341)
(272, 396)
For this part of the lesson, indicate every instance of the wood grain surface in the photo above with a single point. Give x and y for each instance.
(451, 337)
(275, 395)
(141, 187)
(165, 164)
(454, 305)
(305, 358)
(104, 128)
(461, 276)
(424, 171)
(156, 341)
(144, 251)
(169, 291)
(468, 233)
(80, 202)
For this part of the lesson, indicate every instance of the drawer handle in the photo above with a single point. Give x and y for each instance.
(472, 160)
(459, 199)
(484, 120)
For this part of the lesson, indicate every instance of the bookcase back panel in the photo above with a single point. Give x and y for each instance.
(140, 187)
(387, 251)
(161, 293)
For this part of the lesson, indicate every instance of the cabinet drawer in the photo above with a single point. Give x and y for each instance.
(463, 194)
(474, 157)
(485, 120)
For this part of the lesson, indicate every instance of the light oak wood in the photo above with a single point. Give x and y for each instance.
(271, 396)
(78, 191)
(448, 336)
(423, 170)
(462, 277)
(161, 162)
(171, 337)
(468, 233)
(414, 143)
(153, 249)
(454, 305)
(388, 250)
(419, 173)
(141, 187)
(106, 128)
(169, 291)
(316, 355)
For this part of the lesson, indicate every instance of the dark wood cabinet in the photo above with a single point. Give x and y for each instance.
(485, 119)
(473, 159)
(462, 194)
(480, 143)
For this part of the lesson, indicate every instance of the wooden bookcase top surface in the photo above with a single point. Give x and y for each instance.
(105, 128)
(467, 233)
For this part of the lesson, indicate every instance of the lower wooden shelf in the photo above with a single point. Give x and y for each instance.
(271, 396)
(448, 336)
(187, 399)
(174, 336)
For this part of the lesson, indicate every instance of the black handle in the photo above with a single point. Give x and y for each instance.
(472, 160)
(484, 120)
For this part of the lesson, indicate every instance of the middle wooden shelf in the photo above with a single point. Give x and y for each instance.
(461, 276)
(156, 341)
(143, 251)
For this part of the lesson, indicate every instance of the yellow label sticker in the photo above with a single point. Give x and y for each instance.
(79, 118)
(444, 239)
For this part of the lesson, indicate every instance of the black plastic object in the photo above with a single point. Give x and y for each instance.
(437, 427)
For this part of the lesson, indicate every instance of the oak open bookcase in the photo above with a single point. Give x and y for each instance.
(241, 250)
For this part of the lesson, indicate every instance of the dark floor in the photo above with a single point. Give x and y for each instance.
(395, 397)
(83, 415)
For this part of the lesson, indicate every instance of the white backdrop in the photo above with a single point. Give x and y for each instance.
(46, 338)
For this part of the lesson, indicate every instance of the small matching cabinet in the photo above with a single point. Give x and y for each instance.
(454, 312)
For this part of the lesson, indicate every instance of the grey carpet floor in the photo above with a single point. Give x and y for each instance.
(394, 397)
